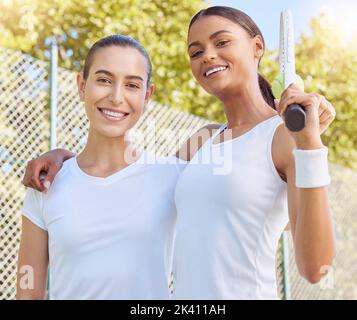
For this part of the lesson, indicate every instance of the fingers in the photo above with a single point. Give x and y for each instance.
(292, 95)
(313, 103)
(326, 110)
(25, 180)
(289, 93)
(32, 174)
(276, 103)
(52, 171)
(324, 106)
(327, 116)
(49, 163)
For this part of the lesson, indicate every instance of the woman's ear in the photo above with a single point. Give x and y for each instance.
(81, 84)
(258, 46)
(149, 92)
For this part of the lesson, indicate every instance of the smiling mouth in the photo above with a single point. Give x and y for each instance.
(215, 70)
(113, 115)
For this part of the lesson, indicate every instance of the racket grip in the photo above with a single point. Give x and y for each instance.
(295, 117)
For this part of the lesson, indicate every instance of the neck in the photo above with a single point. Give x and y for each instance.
(246, 106)
(103, 155)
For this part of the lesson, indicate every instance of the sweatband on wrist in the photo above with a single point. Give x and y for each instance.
(311, 168)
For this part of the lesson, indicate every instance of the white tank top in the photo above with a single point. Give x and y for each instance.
(232, 208)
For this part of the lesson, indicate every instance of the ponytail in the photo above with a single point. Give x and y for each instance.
(265, 89)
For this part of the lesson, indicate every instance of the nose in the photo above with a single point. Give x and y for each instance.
(209, 55)
(116, 96)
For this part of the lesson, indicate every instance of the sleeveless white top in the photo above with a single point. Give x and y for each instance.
(231, 210)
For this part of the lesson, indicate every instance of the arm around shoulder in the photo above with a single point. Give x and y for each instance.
(49, 163)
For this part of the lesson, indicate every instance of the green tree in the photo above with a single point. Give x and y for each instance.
(328, 65)
(161, 26)
(324, 61)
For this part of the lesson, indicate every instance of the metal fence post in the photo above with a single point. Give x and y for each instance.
(286, 275)
(53, 111)
(53, 93)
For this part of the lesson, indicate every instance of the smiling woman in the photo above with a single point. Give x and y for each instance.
(229, 223)
(98, 239)
(114, 89)
(226, 40)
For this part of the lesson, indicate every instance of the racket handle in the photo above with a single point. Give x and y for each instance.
(295, 117)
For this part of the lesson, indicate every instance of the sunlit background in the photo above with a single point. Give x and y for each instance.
(341, 14)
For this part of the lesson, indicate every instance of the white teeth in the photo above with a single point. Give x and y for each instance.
(113, 114)
(215, 70)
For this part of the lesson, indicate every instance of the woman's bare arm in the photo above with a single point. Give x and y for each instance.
(32, 262)
(309, 214)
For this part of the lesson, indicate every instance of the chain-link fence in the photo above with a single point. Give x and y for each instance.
(25, 134)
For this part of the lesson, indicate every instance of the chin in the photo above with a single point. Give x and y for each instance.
(216, 90)
(113, 132)
(216, 87)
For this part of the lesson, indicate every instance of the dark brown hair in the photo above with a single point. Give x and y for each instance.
(250, 27)
(116, 40)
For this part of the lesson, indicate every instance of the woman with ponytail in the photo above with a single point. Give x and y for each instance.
(232, 212)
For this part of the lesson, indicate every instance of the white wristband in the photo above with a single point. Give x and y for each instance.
(311, 168)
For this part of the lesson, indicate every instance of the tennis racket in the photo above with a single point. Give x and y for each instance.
(295, 116)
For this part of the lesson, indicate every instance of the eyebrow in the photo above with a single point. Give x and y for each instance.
(130, 77)
(213, 35)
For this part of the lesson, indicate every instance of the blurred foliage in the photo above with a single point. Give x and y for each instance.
(324, 61)
(328, 65)
(161, 26)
